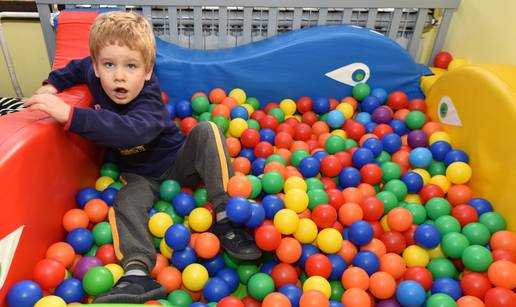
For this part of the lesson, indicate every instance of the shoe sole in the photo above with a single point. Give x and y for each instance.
(155, 294)
(245, 257)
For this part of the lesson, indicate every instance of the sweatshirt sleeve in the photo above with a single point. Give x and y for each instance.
(73, 73)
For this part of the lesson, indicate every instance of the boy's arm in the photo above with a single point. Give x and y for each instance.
(75, 72)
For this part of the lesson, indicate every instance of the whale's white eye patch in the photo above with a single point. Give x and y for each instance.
(351, 74)
(448, 113)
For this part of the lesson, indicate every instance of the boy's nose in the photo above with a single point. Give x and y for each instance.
(119, 75)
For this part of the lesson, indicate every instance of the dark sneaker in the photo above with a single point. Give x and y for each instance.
(236, 242)
(133, 290)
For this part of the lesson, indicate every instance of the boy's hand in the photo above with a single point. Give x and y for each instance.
(50, 104)
(47, 89)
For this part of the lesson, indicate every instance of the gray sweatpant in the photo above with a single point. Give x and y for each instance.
(203, 157)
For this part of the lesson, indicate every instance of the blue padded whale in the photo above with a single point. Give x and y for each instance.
(321, 61)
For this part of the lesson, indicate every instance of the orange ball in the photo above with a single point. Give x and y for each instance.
(296, 145)
(275, 166)
(503, 240)
(239, 185)
(502, 273)
(276, 299)
(170, 278)
(393, 264)
(382, 285)
(285, 154)
(401, 114)
(470, 301)
(197, 95)
(242, 165)
(321, 139)
(352, 195)
(234, 146)
(97, 210)
(320, 127)
(352, 101)
(350, 213)
(431, 127)
(230, 102)
(366, 137)
(75, 218)
(289, 250)
(347, 251)
(291, 171)
(376, 246)
(399, 219)
(459, 194)
(221, 110)
(161, 263)
(217, 95)
(355, 277)
(62, 252)
(314, 298)
(207, 245)
(401, 157)
(366, 189)
(356, 297)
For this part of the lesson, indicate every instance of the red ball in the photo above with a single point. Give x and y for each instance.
(258, 115)
(269, 121)
(106, 254)
(475, 284)
(371, 173)
(500, 297)
(354, 129)
(304, 104)
(283, 140)
(409, 235)
(381, 130)
(394, 242)
(442, 59)
(292, 122)
(430, 191)
(502, 254)
(270, 106)
(417, 104)
(284, 273)
(318, 265)
(230, 301)
(286, 127)
(333, 103)
(302, 132)
(324, 216)
(309, 118)
(250, 137)
(249, 301)
(48, 273)
(164, 96)
(267, 237)
(263, 150)
(420, 275)
(465, 214)
(377, 229)
(345, 158)
(335, 198)
(373, 208)
(397, 100)
(330, 166)
(187, 124)
(328, 183)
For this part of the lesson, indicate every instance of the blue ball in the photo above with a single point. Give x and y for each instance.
(456, 155)
(410, 293)
(349, 177)
(307, 250)
(24, 294)
(70, 290)
(171, 110)
(230, 276)
(214, 265)
(427, 236)
(368, 261)
(380, 93)
(267, 266)
(309, 167)
(257, 215)
(338, 266)
(391, 142)
(292, 292)
(320, 154)
(80, 239)
(183, 203)
(398, 126)
(335, 119)
(215, 289)
(198, 304)
(183, 258)
(413, 181)
(363, 117)
(360, 233)
(321, 105)
(238, 209)
(267, 135)
(247, 153)
(420, 157)
(481, 205)
(362, 156)
(374, 145)
(336, 304)
(177, 237)
(439, 150)
(183, 108)
(370, 103)
(239, 112)
(151, 212)
(109, 195)
(272, 204)
(447, 286)
(86, 194)
(258, 166)
(369, 127)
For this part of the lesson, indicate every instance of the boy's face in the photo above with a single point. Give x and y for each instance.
(121, 72)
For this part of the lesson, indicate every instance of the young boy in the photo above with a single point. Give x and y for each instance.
(131, 120)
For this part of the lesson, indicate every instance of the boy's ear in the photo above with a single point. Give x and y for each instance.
(95, 69)
(148, 74)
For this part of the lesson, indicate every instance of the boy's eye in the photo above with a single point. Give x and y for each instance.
(108, 65)
(131, 66)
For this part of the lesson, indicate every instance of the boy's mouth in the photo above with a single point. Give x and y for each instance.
(120, 93)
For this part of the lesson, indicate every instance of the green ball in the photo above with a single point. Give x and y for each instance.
(97, 280)
(323, 117)
(278, 113)
(164, 302)
(350, 143)
(201, 196)
(437, 168)
(92, 251)
(442, 267)
(361, 91)
(477, 258)
(102, 234)
(418, 212)
(240, 292)
(200, 104)
(212, 106)
(397, 187)
(303, 277)
(161, 205)
(117, 185)
(415, 119)
(255, 103)
(390, 171)
(272, 182)
(337, 290)
(383, 157)
(260, 285)
(230, 261)
(110, 170)
(334, 144)
(176, 218)
(245, 271)
(221, 121)
(297, 156)
(493, 221)
(205, 117)
(256, 183)
(437, 207)
(169, 189)
(276, 157)
(389, 200)
(317, 197)
(453, 244)
(314, 183)
(253, 124)
(156, 241)
(212, 304)
(477, 233)
(440, 300)
(180, 298)
(447, 224)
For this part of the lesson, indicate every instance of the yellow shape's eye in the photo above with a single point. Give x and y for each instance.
(448, 113)
(351, 74)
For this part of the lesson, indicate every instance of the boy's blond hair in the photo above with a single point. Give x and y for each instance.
(124, 29)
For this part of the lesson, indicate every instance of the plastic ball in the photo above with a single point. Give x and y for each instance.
(183, 203)
(182, 258)
(448, 286)
(272, 182)
(361, 91)
(329, 240)
(207, 245)
(286, 221)
(80, 239)
(502, 273)
(477, 258)
(360, 233)
(335, 119)
(306, 232)
(86, 194)
(427, 236)
(415, 256)
(50, 301)
(317, 283)
(97, 280)
(194, 277)
(260, 285)
(481, 205)
(267, 237)
(296, 199)
(215, 289)
(410, 293)
(382, 285)
(293, 293)
(24, 294)
(159, 223)
(442, 59)
(177, 237)
(458, 172)
(420, 157)
(238, 209)
(70, 290)
(453, 244)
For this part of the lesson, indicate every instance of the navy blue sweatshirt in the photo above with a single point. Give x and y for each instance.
(139, 135)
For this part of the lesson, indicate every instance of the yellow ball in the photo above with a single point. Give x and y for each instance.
(329, 240)
(346, 109)
(159, 223)
(424, 174)
(237, 126)
(295, 182)
(249, 108)
(439, 136)
(416, 256)
(286, 221)
(413, 198)
(165, 250)
(306, 231)
(50, 301)
(436, 252)
(456, 63)
(200, 219)
(458, 172)
(317, 283)
(116, 270)
(103, 182)
(288, 106)
(195, 277)
(340, 133)
(239, 95)
(427, 82)
(297, 200)
(385, 224)
(441, 181)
